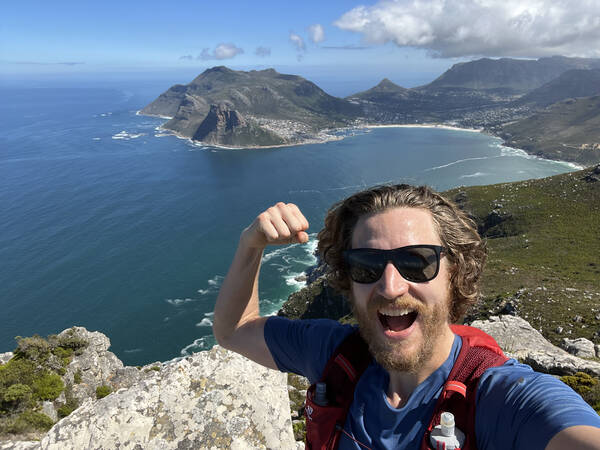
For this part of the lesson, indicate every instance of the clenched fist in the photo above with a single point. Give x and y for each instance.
(282, 223)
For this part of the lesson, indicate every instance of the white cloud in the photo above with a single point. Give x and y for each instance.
(298, 42)
(221, 51)
(316, 33)
(455, 28)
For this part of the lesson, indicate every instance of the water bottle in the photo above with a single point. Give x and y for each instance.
(320, 397)
(446, 436)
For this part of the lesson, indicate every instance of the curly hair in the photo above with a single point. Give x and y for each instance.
(466, 252)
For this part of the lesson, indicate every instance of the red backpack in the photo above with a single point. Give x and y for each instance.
(324, 424)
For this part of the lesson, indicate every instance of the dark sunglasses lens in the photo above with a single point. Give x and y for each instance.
(418, 264)
(365, 267)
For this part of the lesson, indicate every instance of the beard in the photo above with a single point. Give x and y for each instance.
(399, 356)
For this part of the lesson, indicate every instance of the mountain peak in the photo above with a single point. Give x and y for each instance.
(388, 85)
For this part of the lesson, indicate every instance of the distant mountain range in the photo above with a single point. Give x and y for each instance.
(504, 97)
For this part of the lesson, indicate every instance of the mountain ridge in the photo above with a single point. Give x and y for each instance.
(283, 109)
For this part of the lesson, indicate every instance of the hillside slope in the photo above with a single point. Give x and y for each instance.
(509, 75)
(543, 244)
(571, 84)
(568, 130)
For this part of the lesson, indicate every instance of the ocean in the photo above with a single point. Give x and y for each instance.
(109, 223)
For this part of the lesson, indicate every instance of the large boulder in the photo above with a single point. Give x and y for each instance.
(581, 347)
(214, 399)
(520, 340)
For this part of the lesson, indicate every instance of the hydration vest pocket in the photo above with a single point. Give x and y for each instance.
(321, 422)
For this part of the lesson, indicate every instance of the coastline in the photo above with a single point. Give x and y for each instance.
(427, 125)
(326, 137)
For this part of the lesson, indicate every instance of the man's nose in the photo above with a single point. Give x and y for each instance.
(391, 284)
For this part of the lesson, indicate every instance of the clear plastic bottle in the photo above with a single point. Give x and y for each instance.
(446, 436)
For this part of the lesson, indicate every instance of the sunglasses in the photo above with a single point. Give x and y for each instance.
(416, 263)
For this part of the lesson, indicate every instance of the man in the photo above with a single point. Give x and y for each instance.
(404, 301)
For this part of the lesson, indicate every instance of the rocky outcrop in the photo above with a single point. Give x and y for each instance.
(225, 126)
(520, 340)
(213, 399)
(581, 347)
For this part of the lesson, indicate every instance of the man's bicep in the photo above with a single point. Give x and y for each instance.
(577, 437)
(249, 340)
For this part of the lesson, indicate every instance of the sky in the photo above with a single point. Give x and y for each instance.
(351, 43)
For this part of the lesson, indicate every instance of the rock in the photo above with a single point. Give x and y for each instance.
(214, 399)
(48, 409)
(226, 126)
(510, 308)
(5, 357)
(96, 365)
(597, 350)
(559, 330)
(316, 300)
(19, 445)
(520, 340)
(577, 319)
(579, 347)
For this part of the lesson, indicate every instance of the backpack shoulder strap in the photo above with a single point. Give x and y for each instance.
(479, 352)
(345, 367)
(341, 374)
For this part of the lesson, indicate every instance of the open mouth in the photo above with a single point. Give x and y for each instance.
(397, 320)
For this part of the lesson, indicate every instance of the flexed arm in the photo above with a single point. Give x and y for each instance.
(237, 323)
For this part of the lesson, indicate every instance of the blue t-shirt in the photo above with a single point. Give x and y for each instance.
(517, 408)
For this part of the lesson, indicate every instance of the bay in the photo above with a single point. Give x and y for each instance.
(109, 224)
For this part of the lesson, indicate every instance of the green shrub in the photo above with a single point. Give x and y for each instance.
(581, 382)
(77, 377)
(29, 421)
(48, 386)
(586, 386)
(34, 348)
(71, 403)
(102, 391)
(62, 352)
(17, 371)
(70, 341)
(17, 393)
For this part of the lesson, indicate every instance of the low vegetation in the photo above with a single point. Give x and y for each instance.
(32, 376)
(542, 238)
(102, 391)
(586, 386)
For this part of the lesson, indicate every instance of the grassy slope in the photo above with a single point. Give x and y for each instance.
(560, 131)
(552, 256)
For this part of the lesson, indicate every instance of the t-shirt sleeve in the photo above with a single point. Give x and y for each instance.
(518, 408)
(303, 346)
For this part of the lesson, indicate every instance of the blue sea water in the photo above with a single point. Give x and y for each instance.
(107, 223)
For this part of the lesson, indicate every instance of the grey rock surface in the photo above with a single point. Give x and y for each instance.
(5, 357)
(214, 399)
(520, 340)
(19, 445)
(581, 347)
(96, 365)
(597, 350)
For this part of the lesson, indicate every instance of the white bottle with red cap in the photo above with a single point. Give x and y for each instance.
(446, 436)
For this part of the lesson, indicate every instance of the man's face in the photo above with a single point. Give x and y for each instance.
(402, 321)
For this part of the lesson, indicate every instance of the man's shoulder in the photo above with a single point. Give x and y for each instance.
(304, 346)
